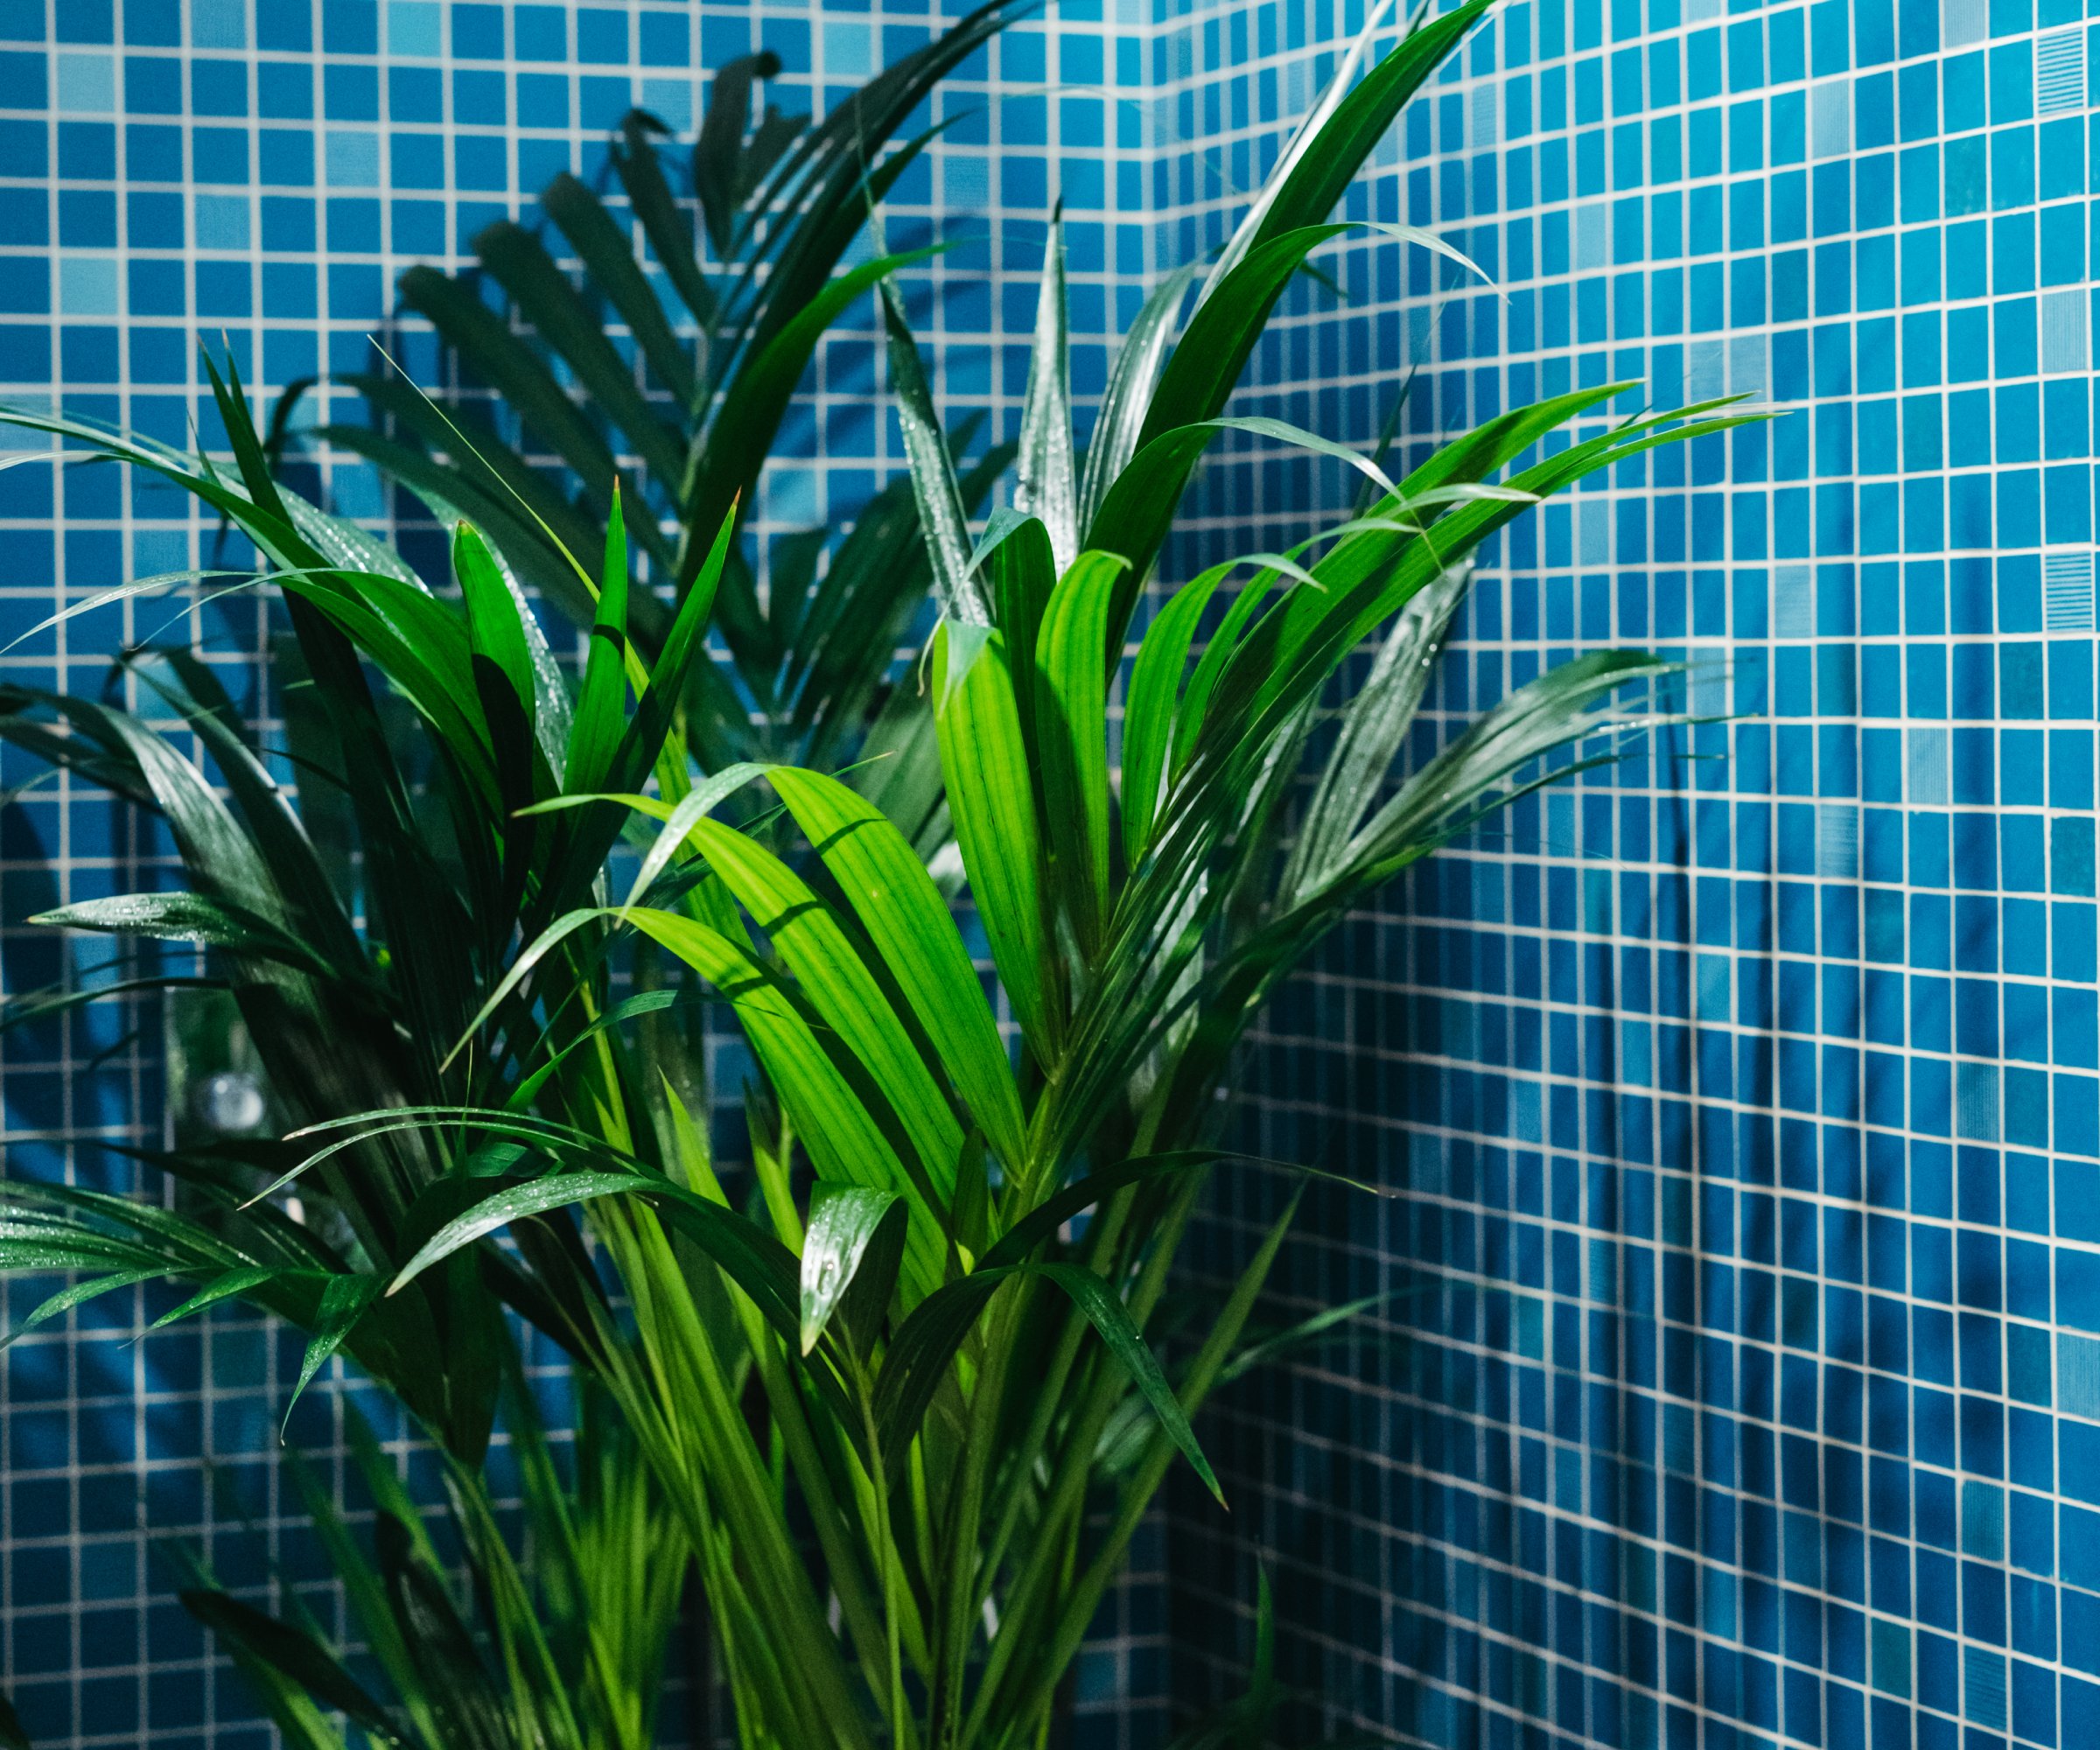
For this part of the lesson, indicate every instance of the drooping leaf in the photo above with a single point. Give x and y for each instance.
(845, 1139)
(182, 917)
(242, 1280)
(66, 1298)
(294, 1653)
(851, 1229)
(756, 1262)
(343, 1302)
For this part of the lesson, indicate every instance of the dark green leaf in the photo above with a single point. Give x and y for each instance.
(183, 917)
(505, 364)
(663, 222)
(238, 1281)
(750, 1256)
(295, 1653)
(926, 1344)
(343, 1304)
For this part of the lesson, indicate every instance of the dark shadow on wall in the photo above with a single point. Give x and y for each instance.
(1461, 1506)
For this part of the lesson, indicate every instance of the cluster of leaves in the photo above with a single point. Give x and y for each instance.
(577, 1627)
(684, 418)
(902, 1407)
(454, 866)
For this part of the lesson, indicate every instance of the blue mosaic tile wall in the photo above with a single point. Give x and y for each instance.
(1743, 1101)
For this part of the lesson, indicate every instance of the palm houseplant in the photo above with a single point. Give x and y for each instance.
(904, 1416)
(891, 1388)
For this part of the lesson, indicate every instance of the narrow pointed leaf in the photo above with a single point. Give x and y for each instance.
(744, 426)
(1327, 157)
(608, 259)
(1021, 566)
(182, 917)
(695, 806)
(941, 514)
(79, 1292)
(721, 143)
(343, 1304)
(1071, 732)
(519, 262)
(234, 1283)
(992, 794)
(1128, 396)
(844, 1140)
(663, 220)
(752, 1258)
(1046, 483)
(807, 937)
(503, 361)
(601, 706)
(1375, 727)
(493, 623)
(926, 1345)
(1148, 711)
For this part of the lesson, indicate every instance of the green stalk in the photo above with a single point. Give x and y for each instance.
(842, 1565)
(1085, 1598)
(902, 1737)
(731, 1465)
(1106, 1234)
(962, 1597)
(1063, 1516)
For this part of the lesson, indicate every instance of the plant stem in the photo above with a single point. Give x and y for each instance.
(902, 1737)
